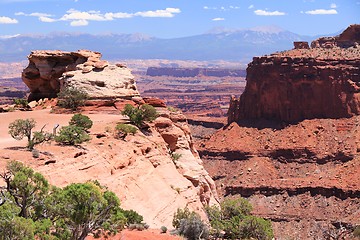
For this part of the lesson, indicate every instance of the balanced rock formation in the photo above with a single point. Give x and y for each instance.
(49, 71)
(321, 82)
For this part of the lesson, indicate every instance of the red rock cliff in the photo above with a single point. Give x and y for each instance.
(321, 82)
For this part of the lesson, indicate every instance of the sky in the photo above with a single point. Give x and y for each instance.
(174, 18)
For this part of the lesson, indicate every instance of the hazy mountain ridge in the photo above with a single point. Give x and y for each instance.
(235, 45)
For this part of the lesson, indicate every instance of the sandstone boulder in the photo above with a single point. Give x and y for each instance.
(49, 71)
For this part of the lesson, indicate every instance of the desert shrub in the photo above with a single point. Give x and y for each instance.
(137, 226)
(71, 135)
(138, 115)
(72, 98)
(35, 153)
(21, 102)
(163, 229)
(255, 227)
(21, 128)
(179, 215)
(32, 211)
(193, 228)
(149, 112)
(122, 130)
(175, 156)
(132, 217)
(82, 121)
(235, 220)
(172, 109)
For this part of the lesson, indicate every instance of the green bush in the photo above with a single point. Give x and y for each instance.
(138, 115)
(82, 121)
(175, 156)
(255, 227)
(33, 209)
(71, 135)
(137, 226)
(235, 220)
(72, 98)
(181, 214)
(132, 217)
(122, 130)
(193, 228)
(21, 128)
(20, 102)
(163, 229)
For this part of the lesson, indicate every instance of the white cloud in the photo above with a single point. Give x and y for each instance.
(73, 14)
(83, 18)
(9, 36)
(47, 19)
(117, 15)
(7, 20)
(218, 19)
(168, 12)
(222, 8)
(79, 23)
(322, 12)
(267, 13)
(333, 5)
(35, 14)
(251, 6)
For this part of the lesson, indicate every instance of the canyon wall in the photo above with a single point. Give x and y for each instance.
(321, 82)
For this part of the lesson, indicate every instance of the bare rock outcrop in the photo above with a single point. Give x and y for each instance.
(302, 84)
(141, 169)
(49, 71)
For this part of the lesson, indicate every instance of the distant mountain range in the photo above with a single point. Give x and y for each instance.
(239, 45)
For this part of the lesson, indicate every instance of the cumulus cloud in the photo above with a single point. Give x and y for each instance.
(35, 14)
(43, 17)
(47, 19)
(333, 5)
(167, 13)
(79, 23)
(267, 13)
(251, 6)
(7, 20)
(322, 12)
(218, 19)
(82, 18)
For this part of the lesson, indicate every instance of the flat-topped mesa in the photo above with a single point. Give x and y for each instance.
(49, 71)
(300, 84)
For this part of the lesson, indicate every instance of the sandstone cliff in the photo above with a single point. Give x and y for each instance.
(49, 71)
(142, 169)
(321, 82)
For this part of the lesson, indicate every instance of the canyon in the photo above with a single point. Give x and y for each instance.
(290, 143)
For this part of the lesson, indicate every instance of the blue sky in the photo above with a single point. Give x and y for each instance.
(174, 18)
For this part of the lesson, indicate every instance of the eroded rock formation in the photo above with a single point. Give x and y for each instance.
(321, 82)
(49, 71)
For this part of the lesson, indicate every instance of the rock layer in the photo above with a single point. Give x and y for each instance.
(302, 84)
(49, 71)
